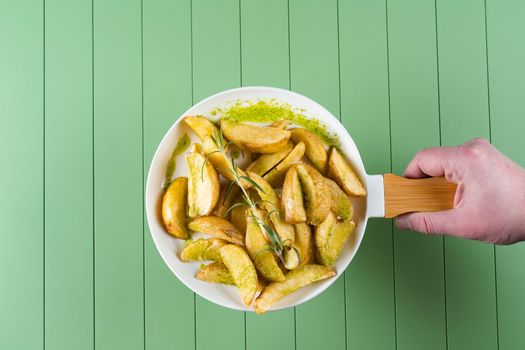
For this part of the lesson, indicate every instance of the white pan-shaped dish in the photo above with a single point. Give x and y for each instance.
(387, 195)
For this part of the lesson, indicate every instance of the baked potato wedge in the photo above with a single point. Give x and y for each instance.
(272, 204)
(201, 126)
(220, 160)
(267, 161)
(224, 203)
(341, 203)
(242, 270)
(174, 206)
(218, 228)
(330, 238)
(202, 249)
(342, 173)
(258, 139)
(203, 185)
(281, 124)
(275, 176)
(257, 247)
(317, 195)
(292, 198)
(304, 243)
(294, 280)
(238, 218)
(315, 148)
(217, 272)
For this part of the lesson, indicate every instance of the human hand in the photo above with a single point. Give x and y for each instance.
(489, 204)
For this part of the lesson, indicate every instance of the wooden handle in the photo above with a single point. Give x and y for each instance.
(404, 195)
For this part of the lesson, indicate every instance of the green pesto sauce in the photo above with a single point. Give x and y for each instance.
(182, 145)
(270, 110)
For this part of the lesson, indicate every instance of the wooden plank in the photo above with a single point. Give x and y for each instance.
(169, 305)
(469, 266)
(22, 175)
(320, 323)
(68, 175)
(216, 67)
(119, 319)
(419, 270)
(265, 61)
(506, 54)
(370, 303)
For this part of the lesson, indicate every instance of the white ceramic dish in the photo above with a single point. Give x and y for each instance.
(169, 247)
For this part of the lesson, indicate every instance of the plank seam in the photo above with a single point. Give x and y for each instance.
(441, 143)
(391, 167)
(143, 192)
(490, 139)
(44, 174)
(93, 160)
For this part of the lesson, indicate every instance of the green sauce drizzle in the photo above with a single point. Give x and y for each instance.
(182, 145)
(270, 110)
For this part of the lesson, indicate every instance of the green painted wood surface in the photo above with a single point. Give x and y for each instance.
(88, 88)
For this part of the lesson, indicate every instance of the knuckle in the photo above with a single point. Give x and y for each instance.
(476, 149)
(426, 224)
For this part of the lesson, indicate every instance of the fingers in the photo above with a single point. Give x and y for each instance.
(430, 162)
(447, 222)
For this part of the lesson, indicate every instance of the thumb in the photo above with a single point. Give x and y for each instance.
(439, 222)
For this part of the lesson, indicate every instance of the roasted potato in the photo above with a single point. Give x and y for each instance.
(266, 162)
(242, 270)
(202, 249)
(238, 218)
(294, 280)
(224, 203)
(201, 126)
(217, 272)
(217, 227)
(276, 175)
(203, 185)
(271, 203)
(315, 148)
(258, 139)
(258, 247)
(317, 195)
(341, 204)
(292, 198)
(330, 238)
(174, 205)
(281, 124)
(304, 243)
(342, 173)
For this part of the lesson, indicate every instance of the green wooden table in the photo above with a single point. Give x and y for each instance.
(88, 88)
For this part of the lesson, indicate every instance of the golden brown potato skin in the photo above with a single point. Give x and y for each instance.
(266, 162)
(203, 185)
(258, 139)
(342, 173)
(304, 243)
(318, 198)
(217, 227)
(216, 272)
(202, 249)
(201, 126)
(315, 148)
(330, 238)
(242, 270)
(294, 280)
(292, 198)
(275, 177)
(174, 206)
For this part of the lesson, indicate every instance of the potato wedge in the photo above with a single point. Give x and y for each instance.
(220, 161)
(294, 280)
(174, 205)
(267, 161)
(275, 176)
(258, 139)
(342, 173)
(202, 249)
(281, 124)
(341, 204)
(242, 270)
(225, 203)
(203, 185)
(318, 199)
(315, 149)
(257, 247)
(330, 238)
(218, 228)
(238, 218)
(217, 272)
(292, 198)
(272, 204)
(304, 243)
(201, 126)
